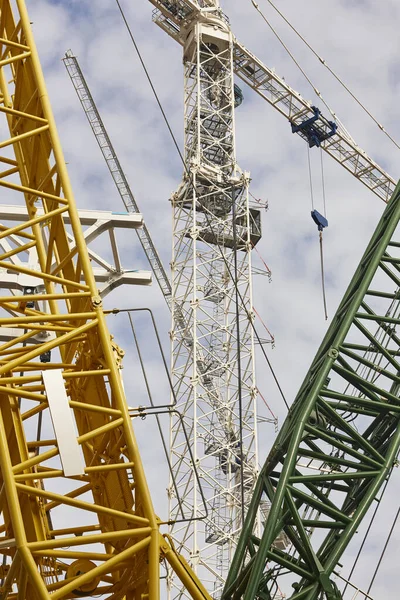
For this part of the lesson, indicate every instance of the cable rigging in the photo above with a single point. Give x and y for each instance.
(383, 551)
(316, 91)
(321, 222)
(325, 64)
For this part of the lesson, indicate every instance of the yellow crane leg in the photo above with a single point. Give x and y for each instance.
(76, 516)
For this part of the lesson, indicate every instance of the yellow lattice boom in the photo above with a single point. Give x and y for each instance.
(69, 526)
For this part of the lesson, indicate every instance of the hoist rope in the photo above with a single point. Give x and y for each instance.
(325, 64)
(321, 253)
(383, 551)
(323, 183)
(310, 177)
(189, 174)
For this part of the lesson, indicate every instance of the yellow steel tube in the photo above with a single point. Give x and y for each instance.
(53, 473)
(16, 515)
(17, 250)
(35, 193)
(41, 297)
(101, 569)
(42, 275)
(19, 113)
(95, 408)
(5, 42)
(95, 508)
(22, 136)
(183, 571)
(17, 362)
(103, 331)
(91, 539)
(27, 464)
(58, 153)
(31, 222)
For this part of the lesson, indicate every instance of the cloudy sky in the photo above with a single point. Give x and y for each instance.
(359, 39)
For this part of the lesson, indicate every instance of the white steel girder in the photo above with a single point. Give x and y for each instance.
(107, 275)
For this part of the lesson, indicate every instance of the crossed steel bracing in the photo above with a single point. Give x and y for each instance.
(212, 314)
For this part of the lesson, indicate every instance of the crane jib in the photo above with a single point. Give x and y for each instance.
(171, 16)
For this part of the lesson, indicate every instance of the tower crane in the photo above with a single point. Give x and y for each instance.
(77, 519)
(205, 224)
(174, 16)
(203, 210)
(86, 468)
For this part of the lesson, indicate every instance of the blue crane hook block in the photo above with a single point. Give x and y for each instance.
(316, 129)
(319, 220)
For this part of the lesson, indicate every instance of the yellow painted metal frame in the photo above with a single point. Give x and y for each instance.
(47, 520)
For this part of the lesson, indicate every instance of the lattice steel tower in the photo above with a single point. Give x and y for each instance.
(214, 231)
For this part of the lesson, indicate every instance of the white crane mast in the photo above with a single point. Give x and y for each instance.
(212, 337)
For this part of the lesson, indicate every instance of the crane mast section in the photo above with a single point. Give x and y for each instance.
(338, 443)
(70, 469)
(114, 166)
(212, 242)
(173, 15)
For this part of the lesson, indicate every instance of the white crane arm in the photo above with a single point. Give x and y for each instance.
(172, 16)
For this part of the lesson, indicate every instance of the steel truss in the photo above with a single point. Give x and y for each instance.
(114, 166)
(76, 516)
(213, 231)
(338, 443)
(173, 16)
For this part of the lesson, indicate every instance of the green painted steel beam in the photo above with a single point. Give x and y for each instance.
(337, 445)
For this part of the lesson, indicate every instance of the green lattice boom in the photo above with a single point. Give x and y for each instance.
(338, 443)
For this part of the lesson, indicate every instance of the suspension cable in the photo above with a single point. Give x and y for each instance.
(325, 64)
(317, 92)
(239, 354)
(383, 551)
(378, 504)
(149, 80)
(323, 183)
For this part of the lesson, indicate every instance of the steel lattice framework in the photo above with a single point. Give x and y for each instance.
(339, 442)
(114, 166)
(173, 17)
(213, 233)
(76, 518)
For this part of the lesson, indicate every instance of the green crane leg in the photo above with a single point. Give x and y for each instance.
(337, 444)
